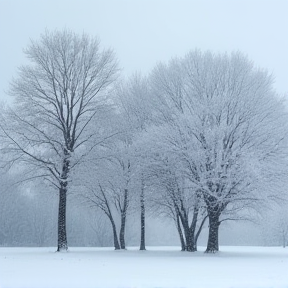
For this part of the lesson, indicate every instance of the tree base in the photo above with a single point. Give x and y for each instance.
(62, 250)
(212, 251)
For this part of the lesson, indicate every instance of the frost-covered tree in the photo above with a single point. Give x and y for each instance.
(59, 98)
(170, 193)
(115, 184)
(173, 198)
(220, 117)
(134, 105)
(108, 189)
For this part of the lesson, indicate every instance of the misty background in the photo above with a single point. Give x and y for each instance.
(141, 33)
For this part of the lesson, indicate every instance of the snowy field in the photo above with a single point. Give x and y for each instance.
(158, 267)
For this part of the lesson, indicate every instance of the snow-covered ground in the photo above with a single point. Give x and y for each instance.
(241, 267)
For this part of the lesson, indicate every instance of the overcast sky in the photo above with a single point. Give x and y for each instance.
(143, 32)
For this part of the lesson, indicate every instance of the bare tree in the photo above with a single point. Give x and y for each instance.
(108, 182)
(173, 198)
(119, 181)
(59, 98)
(102, 198)
(109, 192)
(134, 103)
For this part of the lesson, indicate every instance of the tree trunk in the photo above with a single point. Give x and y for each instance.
(192, 230)
(123, 220)
(182, 241)
(106, 209)
(122, 232)
(142, 220)
(213, 245)
(188, 232)
(190, 247)
(116, 242)
(62, 235)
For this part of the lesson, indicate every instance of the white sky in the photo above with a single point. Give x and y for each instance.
(143, 32)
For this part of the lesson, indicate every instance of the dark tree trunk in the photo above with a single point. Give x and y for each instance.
(188, 239)
(188, 232)
(122, 232)
(190, 247)
(116, 242)
(192, 229)
(142, 220)
(106, 209)
(123, 220)
(182, 241)
(62, 235)
(213, 245)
